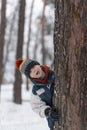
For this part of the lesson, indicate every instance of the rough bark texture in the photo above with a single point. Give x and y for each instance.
(18, 79)
(70, 45)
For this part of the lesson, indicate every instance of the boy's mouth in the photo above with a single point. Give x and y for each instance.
(37, 72)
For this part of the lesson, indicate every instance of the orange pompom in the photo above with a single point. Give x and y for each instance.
(18, 63)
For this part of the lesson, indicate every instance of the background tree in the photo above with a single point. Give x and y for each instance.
(43, 32)
(70, 46)
(29, 37)
(18, 78)
(10, 36)
(2, 37)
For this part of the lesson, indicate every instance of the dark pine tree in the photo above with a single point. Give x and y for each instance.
(18, 78)
(70, 47)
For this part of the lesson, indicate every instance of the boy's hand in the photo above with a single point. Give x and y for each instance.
(52, 113)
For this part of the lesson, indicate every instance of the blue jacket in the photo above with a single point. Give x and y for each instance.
(42, 94)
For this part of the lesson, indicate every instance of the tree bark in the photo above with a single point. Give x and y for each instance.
(70, 46)
(18, 78)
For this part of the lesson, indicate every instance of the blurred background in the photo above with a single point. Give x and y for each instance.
(37, 33)
(26, 31)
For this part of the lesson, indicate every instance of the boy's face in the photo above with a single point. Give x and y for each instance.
(36, 72)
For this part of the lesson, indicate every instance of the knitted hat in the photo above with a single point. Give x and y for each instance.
(25, 65)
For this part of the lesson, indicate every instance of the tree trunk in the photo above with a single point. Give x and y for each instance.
(18, 78)
(29, 37)
(42, 32)
(70, 47)
(10, 36)
(36, 42)
(2, 37)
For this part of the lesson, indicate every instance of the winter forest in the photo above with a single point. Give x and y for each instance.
(53, 32)
(26, 31)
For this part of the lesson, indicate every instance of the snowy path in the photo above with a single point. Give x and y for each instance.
(21, 127)
(18, 117)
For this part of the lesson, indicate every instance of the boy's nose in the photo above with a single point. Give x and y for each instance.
(34, 70)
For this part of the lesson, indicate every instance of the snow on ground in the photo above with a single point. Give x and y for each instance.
(18, 117)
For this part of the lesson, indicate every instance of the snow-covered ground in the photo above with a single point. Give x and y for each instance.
(18, 117)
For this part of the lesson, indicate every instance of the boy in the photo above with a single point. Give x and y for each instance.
(43, 89)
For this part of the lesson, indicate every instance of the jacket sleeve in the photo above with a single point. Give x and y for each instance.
(38, 105)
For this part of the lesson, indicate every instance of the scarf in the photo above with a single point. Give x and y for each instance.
(46, 69)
